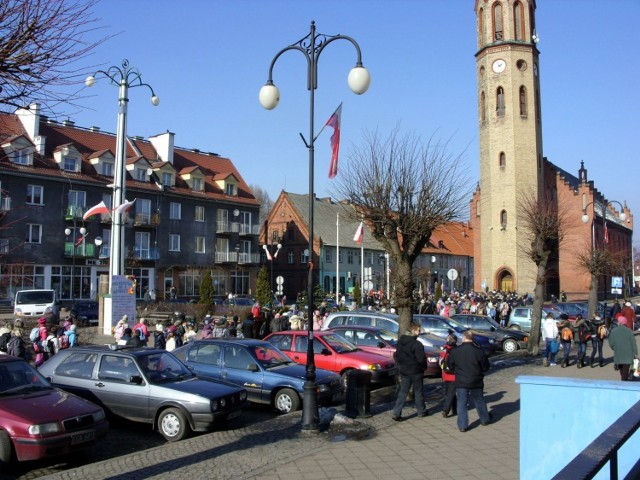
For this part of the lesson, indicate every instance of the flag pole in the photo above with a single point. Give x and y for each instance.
(362, 264)
(337, 263)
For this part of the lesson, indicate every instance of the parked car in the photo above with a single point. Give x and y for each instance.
(145, 385)
(367, 318)
(573, 308)
(36, 303)
(332, 352)
(520, 317)
(509, 340)
(384, 342)
(269, 376)
(86, 312)
(38, 420)
(443, 326)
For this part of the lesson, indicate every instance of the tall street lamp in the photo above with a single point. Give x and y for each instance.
(311, 46)
(68, 231)
(125, 77)
(605, 236)
(271, 257)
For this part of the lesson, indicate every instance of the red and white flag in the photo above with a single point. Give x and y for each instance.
(359, 234)
(334, 122)
(125, 207)
(606, 233)
(99, 208)
(266, 250)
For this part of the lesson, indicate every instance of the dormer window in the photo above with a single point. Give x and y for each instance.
(21, 156)
(231, 190)
(19, 150)
(167, 179)
(71, 164)
(140, 174)
(102, 161)
(198, 184)
(228, 183)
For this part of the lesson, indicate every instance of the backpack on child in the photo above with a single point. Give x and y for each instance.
(603, 332)
(15, 347)
(34, 336)
(4, 341)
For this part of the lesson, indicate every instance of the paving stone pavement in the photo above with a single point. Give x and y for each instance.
(416, 448)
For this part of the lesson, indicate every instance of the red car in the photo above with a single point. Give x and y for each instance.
(38, 420)
(333, 352)
(383, 342)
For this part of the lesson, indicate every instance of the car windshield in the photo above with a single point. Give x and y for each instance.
(269, 356)
(20, 377)
(339, 344)
(390, 337)
(163, 367)
(34, 296)
(458, 327)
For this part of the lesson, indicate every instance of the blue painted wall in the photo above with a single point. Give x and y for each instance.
(560, 417)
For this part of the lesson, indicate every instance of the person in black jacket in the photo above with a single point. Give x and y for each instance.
(469, 362)
(411, 362)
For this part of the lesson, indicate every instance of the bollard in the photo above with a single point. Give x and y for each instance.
(358, 397)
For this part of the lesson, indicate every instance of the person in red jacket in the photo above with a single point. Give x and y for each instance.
(629, 313)
(448, 377)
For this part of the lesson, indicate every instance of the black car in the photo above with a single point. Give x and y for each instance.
(509, 340)
(86, 312)
(145, 385)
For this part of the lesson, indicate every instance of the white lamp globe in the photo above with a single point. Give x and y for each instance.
(90, 81)
(155, 100)
(623, 216)
(585, 218)
(359, 80)
(269, 96)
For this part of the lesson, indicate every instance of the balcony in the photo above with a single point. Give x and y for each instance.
(74, 212)
(143, 253)
(146, 220)
(105, 218)
(248, 258)
(5, 203)
(85, 250)
(226, 227)
(226, 257)
(247, 229)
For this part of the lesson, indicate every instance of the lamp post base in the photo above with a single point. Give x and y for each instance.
(310, 417)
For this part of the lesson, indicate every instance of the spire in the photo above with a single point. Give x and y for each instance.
(582, 173)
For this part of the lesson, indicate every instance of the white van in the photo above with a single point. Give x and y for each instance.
(35, 303)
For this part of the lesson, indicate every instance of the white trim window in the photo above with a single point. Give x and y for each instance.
(199, 213)
(174, 242)
(141, 174)
(175, 211)
(200, 244)
(34, 233)
(70, 164)
(167, 179)
(198, 184)
(35, 195)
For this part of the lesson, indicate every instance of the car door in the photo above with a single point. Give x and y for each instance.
(323, 356)
(240, 368)
(115, 390)
(205, 359)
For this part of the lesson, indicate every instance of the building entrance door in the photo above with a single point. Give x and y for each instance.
(506, 282)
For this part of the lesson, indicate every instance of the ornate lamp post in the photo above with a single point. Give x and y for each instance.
(271, 257)
(125, 77)
(311, 46)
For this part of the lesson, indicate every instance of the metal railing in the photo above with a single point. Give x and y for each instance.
(83, 250)
(142, 253)
(73, 211)
(605, 449)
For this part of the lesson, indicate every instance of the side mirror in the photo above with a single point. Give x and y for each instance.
(325, 351)
(137, 379)
(381, 344)
(493, 329)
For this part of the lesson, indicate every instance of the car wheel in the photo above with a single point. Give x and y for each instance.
(509, 345)
(6, 448)
(173, 425)
(286, 401)
(515, 326)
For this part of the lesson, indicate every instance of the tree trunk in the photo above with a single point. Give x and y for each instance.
(536, 313)
(593, 296)
(403, 288)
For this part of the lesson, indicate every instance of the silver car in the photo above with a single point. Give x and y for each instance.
(145, 385)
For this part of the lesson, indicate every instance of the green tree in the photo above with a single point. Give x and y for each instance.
(438, 292)
(206, 289)
(263, 287)
(357, 295)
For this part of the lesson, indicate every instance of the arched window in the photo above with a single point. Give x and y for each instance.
(503, 160)
(477, 208)
(500, 102)
(518, 21)
(481, 27)
(483, 108)
(503, 219)
(538, 113)
(523, 101)
(532, 20)
(497, 22)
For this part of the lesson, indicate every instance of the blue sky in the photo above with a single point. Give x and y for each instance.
(207, 60)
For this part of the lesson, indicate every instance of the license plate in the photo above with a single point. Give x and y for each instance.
(235, 414)
(82, 437)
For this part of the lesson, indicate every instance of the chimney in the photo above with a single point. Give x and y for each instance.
(68, 123)
(163, 144)
(95, 129)
(30, 119)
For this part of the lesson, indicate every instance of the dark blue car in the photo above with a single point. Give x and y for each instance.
(443, 326)
(267, 374)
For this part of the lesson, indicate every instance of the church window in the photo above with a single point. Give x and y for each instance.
(523, 101)
(483, 107)
(503, 219)
(532, 20)
(477, 208)
(503, 160)
(481, 27)
(518, 21)
(497, 22)
(500, 102)
(537, 99)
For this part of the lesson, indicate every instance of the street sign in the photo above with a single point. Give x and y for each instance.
(452, 274)
(279, 279)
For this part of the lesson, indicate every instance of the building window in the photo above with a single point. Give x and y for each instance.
(483, 107)
(199, 213)
(497, 22)
(303, 257)
(290, 257)
(34, 233)
(328, 256)
(143, 211)
(141, 248)
(503, 219)
(275, 236)
(70, 164)
(35, 194)
(174, 242)
(538, 113)
(231, 189)
(200, 245)
(77, 198)
(523, 101)
(189, 282)
(175, 211)
(518, 21)
(21, 156)
(4, 245)
(107, 169)
(503, 160)
(167, 179)
(340, 256)
(198, 185)
(500, 102)
(481, 27)
(141, 174)
(350, 256)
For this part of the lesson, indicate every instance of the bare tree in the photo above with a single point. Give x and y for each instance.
(266, 204)
(544, 223)
(41, 42)
(404, 190)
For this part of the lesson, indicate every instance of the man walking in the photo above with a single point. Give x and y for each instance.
(411, 362)
(623, 343)
(469, 362)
